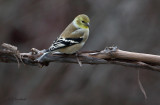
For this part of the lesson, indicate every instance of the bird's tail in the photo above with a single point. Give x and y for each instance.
(46, 50)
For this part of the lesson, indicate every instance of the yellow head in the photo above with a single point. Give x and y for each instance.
(81, 21)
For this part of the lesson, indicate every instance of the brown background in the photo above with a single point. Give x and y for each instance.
(132, 25)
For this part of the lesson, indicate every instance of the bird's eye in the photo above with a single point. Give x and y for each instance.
(83, 21)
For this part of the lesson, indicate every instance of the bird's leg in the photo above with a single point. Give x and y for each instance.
(79, 62)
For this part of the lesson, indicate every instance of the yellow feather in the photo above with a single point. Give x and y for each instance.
(79, 28)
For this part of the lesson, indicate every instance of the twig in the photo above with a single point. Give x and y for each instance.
(141, 86)
(110, 55)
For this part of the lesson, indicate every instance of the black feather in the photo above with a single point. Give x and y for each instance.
(62, 43)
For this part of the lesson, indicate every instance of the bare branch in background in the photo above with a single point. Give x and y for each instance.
(110, 55)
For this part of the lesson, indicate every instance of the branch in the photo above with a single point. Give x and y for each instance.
(110, 55)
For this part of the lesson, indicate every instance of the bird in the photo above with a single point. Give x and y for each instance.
(73, 38)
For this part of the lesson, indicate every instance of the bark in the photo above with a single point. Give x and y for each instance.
(110, 55)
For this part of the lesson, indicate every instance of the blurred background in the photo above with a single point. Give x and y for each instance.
(132, 25)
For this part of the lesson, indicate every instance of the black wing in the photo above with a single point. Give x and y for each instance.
(64, 42)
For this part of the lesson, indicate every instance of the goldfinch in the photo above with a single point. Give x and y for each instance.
(72, 38)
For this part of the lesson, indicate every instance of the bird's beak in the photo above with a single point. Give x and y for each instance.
(87, 24)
